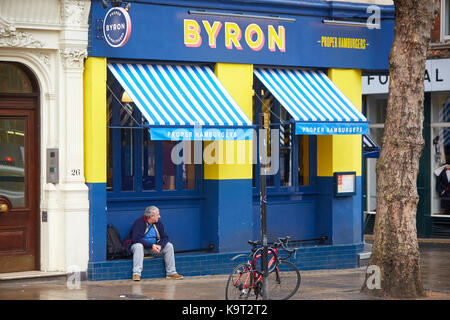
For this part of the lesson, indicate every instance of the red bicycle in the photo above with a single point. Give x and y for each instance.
(245, 281)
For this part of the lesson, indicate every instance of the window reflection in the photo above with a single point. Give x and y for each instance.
(169, 168)
(139, 163)
(293, 150)
(127, 154)
(303, 160)
(12, 161)
(441, 154)
(188, 165)
(148, 162)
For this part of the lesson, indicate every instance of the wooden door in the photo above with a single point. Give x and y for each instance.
(19, 183)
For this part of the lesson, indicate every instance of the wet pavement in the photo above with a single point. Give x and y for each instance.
(343, 284)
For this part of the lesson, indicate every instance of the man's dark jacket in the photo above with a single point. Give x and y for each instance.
(137, 233)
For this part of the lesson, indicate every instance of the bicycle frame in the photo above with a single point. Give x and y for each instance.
(274, 252)
(253, 274)
(249, 277)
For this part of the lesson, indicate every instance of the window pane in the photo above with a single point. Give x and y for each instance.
(127, 159)
(188, 165)
(440, 152)
(285, 148)
(376, 109)
(377, 135)
(169, 168)
(12, 161)
(268, 108)
(13, 79)
(447, 18)
(440, 179)
(303, 160)
(148, 162)
(285, 156)
(126, 120)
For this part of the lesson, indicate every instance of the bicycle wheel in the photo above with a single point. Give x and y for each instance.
(241, 284)
(284, 281)
(270, 257)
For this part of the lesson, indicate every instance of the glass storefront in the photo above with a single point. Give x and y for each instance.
(439, 170)
(440, 154)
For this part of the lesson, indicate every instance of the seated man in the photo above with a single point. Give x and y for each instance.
(147, 235)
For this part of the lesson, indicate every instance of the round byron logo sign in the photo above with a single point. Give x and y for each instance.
(117, 27)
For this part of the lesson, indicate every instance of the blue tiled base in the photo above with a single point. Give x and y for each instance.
(307, 258)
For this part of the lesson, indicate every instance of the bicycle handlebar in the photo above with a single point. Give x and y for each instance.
(282, 242)
(254, 243)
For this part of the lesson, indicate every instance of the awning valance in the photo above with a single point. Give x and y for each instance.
(316, 105)
(183, 102)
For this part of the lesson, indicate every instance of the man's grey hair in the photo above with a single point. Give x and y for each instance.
(151, 211)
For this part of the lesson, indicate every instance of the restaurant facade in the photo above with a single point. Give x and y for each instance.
(173, 94)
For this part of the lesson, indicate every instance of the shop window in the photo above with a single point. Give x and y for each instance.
(135, 163)
(440, 162)
(445, 19)
(294, 150)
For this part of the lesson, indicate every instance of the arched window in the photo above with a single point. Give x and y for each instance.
(15, 79)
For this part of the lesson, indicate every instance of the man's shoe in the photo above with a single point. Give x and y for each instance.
(175, 276)
(136, 277)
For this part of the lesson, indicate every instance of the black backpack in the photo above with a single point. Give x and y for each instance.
(114, 247)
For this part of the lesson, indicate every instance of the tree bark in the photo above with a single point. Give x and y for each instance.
(395, 249)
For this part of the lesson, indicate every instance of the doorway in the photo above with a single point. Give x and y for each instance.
(19, 169)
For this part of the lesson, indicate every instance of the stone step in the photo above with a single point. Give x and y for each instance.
(363, 257)
(31, 276)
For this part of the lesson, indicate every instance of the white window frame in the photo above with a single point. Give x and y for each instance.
(376, 125)
(444, 9)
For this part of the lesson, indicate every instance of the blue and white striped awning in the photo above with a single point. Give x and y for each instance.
(370, 148)
(316, 105)
(183, 102)
(368, 142)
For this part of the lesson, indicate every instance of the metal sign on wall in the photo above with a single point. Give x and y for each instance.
(176, 33)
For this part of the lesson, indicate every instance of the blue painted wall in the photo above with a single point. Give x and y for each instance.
(292, 216)
(183, 219)
(339, 218)
(97, 221)
(228, 213)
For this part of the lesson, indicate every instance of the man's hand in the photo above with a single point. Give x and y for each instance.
(156, 248)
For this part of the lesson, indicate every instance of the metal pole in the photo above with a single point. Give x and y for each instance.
(263, 203)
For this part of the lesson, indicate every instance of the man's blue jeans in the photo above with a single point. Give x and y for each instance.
(166, 252)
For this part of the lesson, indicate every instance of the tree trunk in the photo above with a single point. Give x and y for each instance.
(395, 249)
